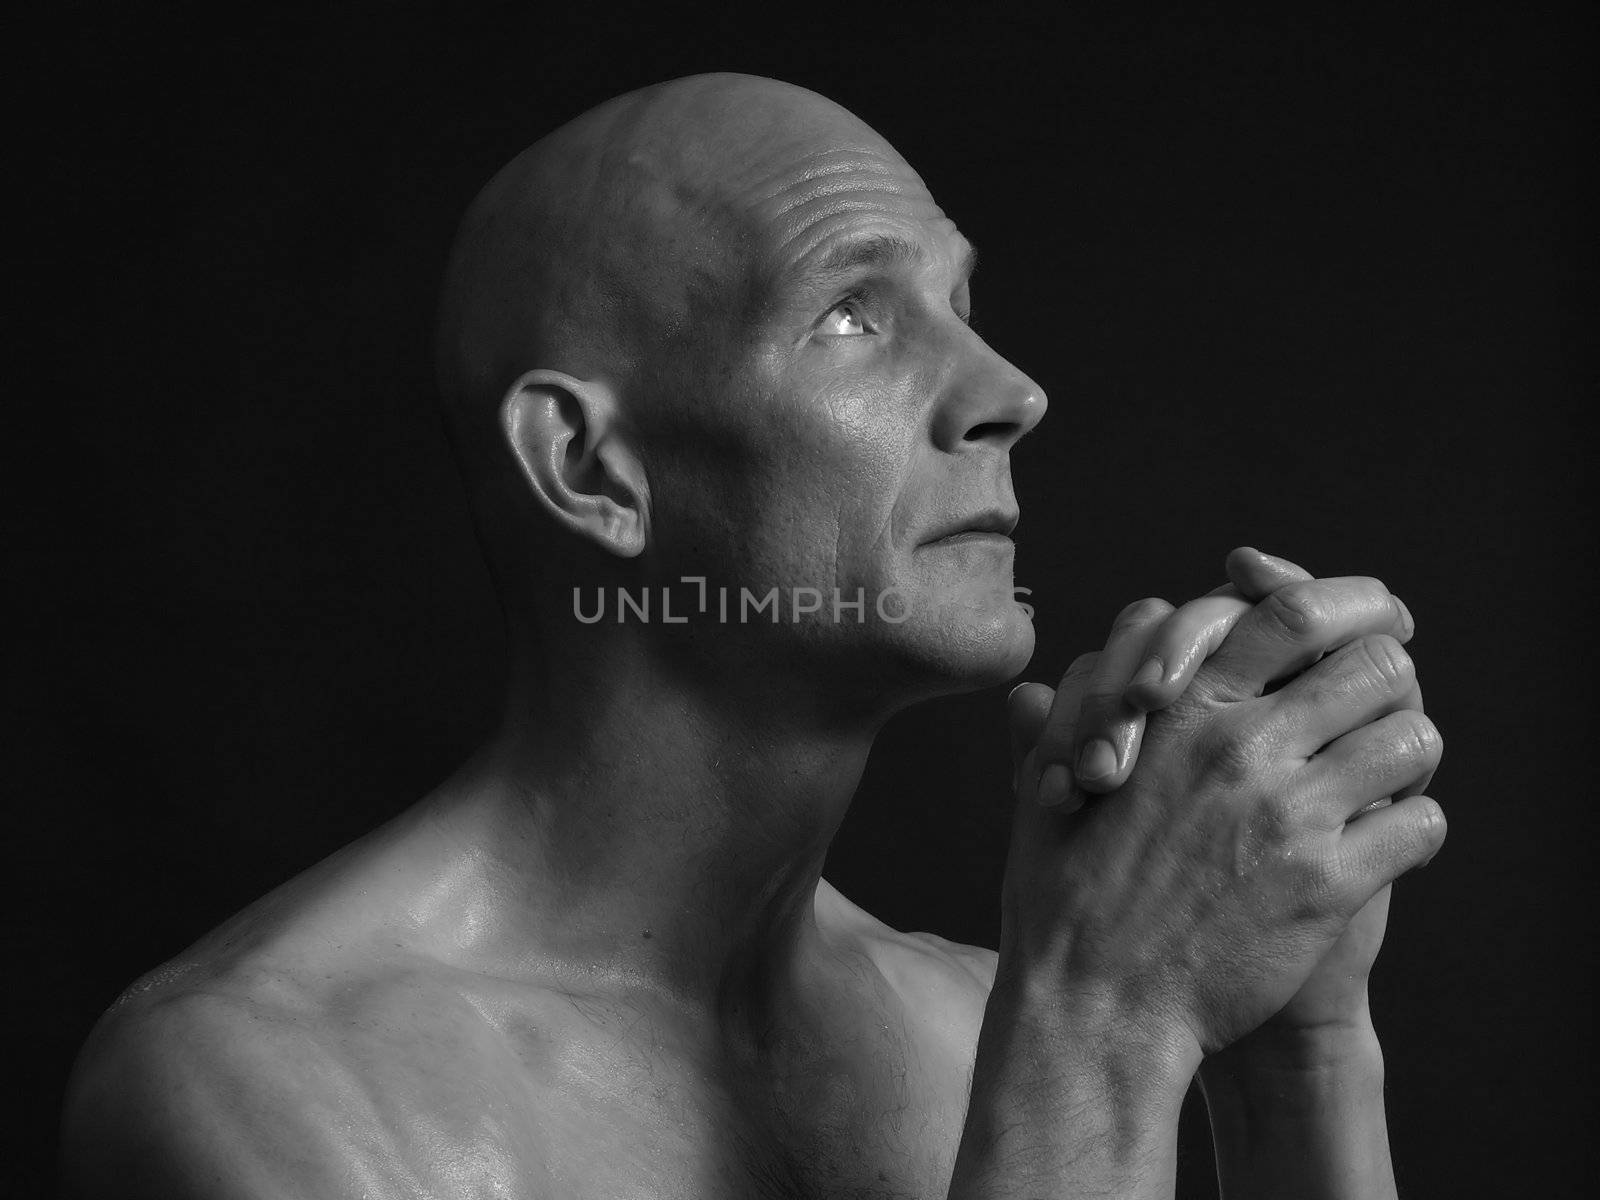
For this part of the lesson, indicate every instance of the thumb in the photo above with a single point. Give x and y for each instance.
(1257, 575)
(1027, 708)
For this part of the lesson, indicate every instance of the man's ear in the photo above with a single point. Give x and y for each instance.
(563, 433)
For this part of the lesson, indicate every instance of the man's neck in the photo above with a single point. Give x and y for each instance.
(639, 832)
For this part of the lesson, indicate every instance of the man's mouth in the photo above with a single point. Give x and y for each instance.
(994, 526)
(971, 536)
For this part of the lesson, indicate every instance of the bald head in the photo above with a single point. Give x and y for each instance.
(596, 251)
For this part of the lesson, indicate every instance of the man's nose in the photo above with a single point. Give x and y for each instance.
(986, 402)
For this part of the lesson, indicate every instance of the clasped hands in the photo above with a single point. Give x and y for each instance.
(1211, 810)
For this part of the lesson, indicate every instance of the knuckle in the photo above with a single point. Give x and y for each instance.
(1422, 738)
(1141, 612)
(1387, 661)
(1274, 818)
(1431, 825)
(1100, 711)
(1266, 832)
(1055, 744)
(1318, 881)
(1413, 840)
(1234, 753)
(1301, 610)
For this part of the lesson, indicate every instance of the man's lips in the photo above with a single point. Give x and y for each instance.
(988, 525)
(972, 536)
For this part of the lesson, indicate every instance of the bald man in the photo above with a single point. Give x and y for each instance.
(705, 357)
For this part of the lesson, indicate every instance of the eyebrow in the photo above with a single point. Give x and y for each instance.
(881, 252)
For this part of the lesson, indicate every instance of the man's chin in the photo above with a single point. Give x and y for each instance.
(999, 653)
(967, 650)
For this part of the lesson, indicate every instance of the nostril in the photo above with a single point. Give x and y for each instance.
(986, 430)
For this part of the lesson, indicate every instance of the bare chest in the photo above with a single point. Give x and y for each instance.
(704, 1146)
(869, 1114)
(605, 1103)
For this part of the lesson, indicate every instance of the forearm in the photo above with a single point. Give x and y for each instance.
(1300, 1116)
(1063, 1106)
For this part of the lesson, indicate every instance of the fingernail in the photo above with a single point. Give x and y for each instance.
(1054, 785)
(1149, 675)
(1097, 760)
(1407, 625)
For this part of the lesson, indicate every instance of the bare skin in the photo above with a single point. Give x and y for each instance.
(717, 330)
(344, 1029)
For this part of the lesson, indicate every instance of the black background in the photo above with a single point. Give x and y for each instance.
(1307, 282)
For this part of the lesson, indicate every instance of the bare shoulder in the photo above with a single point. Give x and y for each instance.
(171, 1096)
(977, 961)
(262, 1082)
(944, 984)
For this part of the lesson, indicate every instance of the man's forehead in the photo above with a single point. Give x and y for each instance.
(837, 209)
(777, 176)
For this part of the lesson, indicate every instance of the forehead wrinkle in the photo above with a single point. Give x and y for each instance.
(784, 196)
(834, 220)
(793, 217)
(764, 203)
(783, 200)
(798, 174)
(797, 197)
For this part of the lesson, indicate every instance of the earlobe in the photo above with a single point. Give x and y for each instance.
(562, 432)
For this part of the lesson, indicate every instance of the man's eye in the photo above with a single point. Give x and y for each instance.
(845, 320)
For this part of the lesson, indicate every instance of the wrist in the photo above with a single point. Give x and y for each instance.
(1348, 1044)
(1292, 1074)
(1300, 1112)
(1067, 1091)
(1098, 1038)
